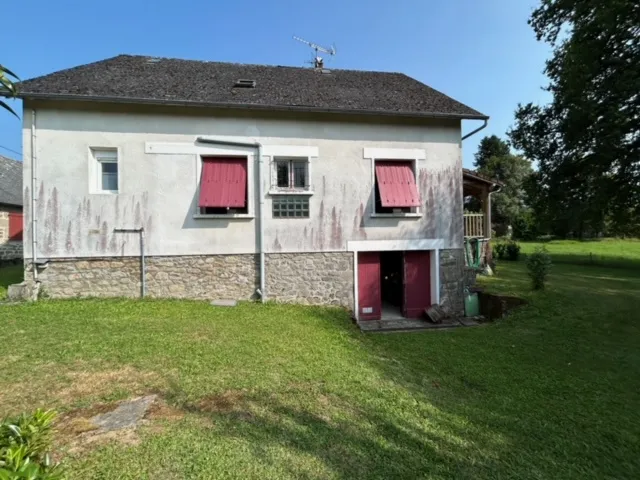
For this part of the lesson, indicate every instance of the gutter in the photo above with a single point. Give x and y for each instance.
(244, 106)
(484, 125)
(262, 291)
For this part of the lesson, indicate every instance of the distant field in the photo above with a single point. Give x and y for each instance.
(605, 252)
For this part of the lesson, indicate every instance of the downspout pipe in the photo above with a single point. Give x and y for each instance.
(258, 146)
(143, 269)
(34, 221)
(473, 132)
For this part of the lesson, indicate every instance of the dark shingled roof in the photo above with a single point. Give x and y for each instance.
(139, 79)
(10, 181)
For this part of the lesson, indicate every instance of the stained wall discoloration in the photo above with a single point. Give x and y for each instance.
(158, 191)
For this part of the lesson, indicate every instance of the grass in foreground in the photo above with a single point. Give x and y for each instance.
(291, 392)
(8, 276)
(606, 252)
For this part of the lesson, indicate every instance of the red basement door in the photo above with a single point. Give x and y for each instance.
(369, 298)
(417, 283)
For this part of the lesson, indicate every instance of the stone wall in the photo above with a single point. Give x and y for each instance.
(10, 251)
(204, 277)
(310, 278)
(452, 280)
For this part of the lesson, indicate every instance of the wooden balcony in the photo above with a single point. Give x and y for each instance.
(474, 225)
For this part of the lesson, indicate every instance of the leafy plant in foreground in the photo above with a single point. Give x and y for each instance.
(24, 445)
(538, 266)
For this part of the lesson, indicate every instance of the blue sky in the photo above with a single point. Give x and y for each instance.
(482, 53)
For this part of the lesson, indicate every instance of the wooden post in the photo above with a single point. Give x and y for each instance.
(486, 207)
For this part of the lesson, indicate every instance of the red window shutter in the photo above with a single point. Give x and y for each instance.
(397, 184)
(223, 182)
(15, 226)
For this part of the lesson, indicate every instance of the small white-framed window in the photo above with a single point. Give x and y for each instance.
(106, 177)
(291, 174)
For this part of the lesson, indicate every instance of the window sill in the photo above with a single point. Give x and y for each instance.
(239, 216)
(290, 192)
(396, 215)
(105, 192)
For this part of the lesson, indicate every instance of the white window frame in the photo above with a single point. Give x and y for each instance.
(291, 188)
(221, 152)
(291, 153)
(98, 156)
(412, 155)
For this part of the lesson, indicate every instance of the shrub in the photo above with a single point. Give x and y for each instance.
(501, 250)
(538, 266)
(513, 251)
(507, 251)
(24, 445)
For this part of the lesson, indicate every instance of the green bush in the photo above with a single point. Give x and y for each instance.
(538, 266)
(501, 250)
(507, 251)
(513, 251)
(24, 448)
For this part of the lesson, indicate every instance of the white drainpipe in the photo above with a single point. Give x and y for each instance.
(262, 291)
(34, 221)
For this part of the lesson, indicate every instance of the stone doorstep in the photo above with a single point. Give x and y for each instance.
(414, 324)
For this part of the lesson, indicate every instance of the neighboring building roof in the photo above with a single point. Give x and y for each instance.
(10, 181)
(139, 79)
(478, 177)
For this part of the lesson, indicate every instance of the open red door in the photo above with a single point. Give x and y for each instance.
(417, 283)
(369, 299)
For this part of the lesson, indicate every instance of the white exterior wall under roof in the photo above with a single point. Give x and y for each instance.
(158, 191)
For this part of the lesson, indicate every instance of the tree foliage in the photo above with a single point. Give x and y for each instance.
(7, 87)
(489, 147)
(587, 140)
(512, 171)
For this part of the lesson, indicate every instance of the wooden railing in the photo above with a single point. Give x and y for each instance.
(474, 225)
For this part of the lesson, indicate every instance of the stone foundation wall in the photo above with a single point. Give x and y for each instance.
(310, 278)
(10, 251)
(197, 277)
(452, 280)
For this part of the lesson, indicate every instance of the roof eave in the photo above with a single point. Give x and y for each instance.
(248, 106)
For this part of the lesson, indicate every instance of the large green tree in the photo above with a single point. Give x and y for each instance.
(490, 146)
(512, 171)
(587, 140)
(7, 87)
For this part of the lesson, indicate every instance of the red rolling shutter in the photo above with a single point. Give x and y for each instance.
(397, 184)
(223, 182)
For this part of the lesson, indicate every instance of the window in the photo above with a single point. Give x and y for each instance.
(292, 174)
(290, 206)
(396, 191)
(223, 186)
(107, 170)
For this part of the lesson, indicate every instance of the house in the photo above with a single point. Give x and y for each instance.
(190, 179)
(10, 210)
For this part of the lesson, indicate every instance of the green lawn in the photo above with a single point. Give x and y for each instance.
(607, 252)
(9, 276)
(292, 392)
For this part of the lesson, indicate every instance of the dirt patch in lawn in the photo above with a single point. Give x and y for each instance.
(225, 402)
(84, 428)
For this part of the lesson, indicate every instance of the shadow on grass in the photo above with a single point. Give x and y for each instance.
(9, 275)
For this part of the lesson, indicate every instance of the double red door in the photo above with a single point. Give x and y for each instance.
(416, 276)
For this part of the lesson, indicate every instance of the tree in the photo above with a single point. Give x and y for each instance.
(492, 146)
(7, 87)
(511, 202)
(587, 140)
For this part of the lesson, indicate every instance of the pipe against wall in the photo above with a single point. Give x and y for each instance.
(143, 285)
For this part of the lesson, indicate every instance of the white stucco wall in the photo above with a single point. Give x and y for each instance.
(159, 191)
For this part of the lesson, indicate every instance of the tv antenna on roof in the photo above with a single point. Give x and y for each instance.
(318, 62)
